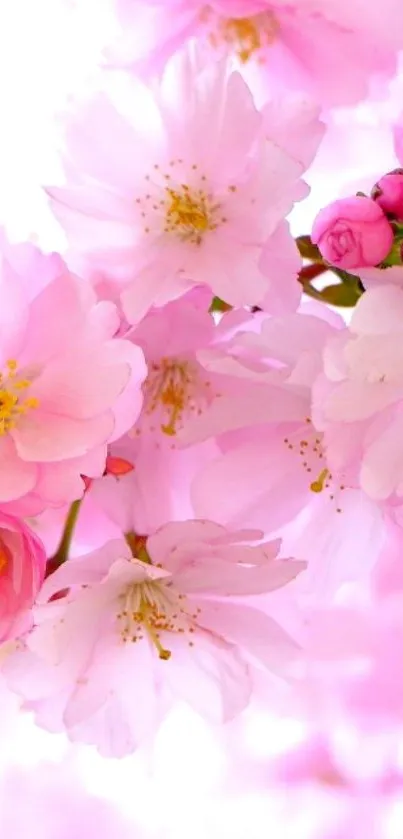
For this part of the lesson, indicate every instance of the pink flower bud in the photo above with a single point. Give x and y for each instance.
(22, 570)
(353, 232)
(388, 193)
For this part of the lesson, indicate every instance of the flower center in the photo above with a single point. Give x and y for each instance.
(312, 459)
(189, 213)
(178, 202)
(247, 35)
(175, 388)
(151, 608)
(12, 403)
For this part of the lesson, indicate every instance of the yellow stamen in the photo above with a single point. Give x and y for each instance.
(170, 386)
(189, 213)
(11, 404)
(163, 654)
(248, 35)
(319, 484)
(152, 607)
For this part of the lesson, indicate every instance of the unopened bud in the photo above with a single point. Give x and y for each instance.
(388, 193)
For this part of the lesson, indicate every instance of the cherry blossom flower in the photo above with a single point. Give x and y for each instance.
(272, 460)
(174, 208)
(289, 45)
(61, 400)
(177, 389)
(272, 468)
(358, 399)
(132, 634)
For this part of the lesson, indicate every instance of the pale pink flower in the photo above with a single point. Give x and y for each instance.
(353, 232)
(271, 461)
(359, 397)
(131, 635)
(155, 204)
(22, 571)
(68, 387)
(272, 470)
(296, 45)
(176, 389)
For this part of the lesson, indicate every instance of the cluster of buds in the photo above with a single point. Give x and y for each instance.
(360, 231)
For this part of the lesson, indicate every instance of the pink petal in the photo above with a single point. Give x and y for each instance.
(16, 477)
(280, 262)
(379, 311)
(255, 632)
(211, 676)
(48, 437)
(216, 577)
(59, 306)
(254, 486)
(70, 386)
(382, 465)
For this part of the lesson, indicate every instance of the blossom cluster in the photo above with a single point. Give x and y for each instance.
(201, 460)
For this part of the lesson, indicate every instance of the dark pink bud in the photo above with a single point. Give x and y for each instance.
(388, 193)
(353, 233)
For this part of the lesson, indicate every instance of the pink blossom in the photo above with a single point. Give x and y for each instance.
(272, 469)
(172, 209)
(108, 658)
(358, 399)
(388, 193)
(353, 232)
(293, 45)
(22, 570)
(271, 461)
(176, 389)
(66, 390)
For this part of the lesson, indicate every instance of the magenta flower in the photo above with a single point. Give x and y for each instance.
(108, 658)
(353, 233)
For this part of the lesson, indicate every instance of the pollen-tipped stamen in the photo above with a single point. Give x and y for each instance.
(319, 484)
